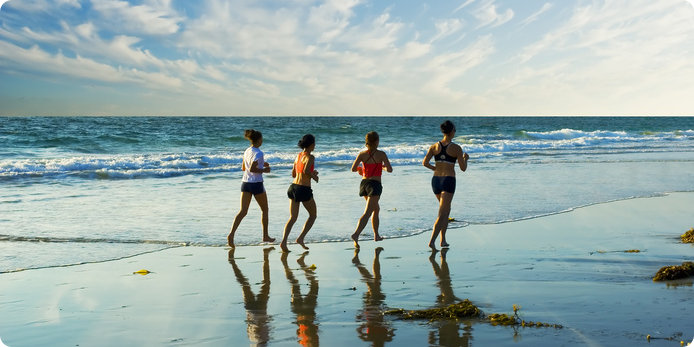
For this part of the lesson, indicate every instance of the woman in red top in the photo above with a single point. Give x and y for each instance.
(300, 191)
(373, 162)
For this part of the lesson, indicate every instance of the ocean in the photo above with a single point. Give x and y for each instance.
(76, 190)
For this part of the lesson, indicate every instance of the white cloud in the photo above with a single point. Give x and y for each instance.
(447, 27)
(383, 34)
(58, 64)
(331, 18)
(446, 68)
(156, 80)
(468, 2)
(533, 17)
(84, 39)
(39, 5)
(487, 14)
(156, 18)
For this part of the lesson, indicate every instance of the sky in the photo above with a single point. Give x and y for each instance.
(346, 57)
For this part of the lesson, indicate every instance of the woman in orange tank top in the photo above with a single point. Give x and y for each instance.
(300, 191)
(373, 162)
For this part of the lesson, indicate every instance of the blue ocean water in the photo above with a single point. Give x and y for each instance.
(89, 189)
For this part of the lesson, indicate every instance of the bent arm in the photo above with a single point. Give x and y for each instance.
(427, 159)
(254, 168)
(462, 160)
(307, 168)
(386, 163)
(355, 165)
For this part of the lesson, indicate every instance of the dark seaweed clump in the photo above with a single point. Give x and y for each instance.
(674, 272)
(688, 237)
(462, 309)
(466, 309)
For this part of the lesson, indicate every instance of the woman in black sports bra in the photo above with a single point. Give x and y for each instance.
(445, 154)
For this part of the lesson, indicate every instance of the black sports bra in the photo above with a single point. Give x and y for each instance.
(442, 156)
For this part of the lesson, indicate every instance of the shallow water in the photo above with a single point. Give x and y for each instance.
(88, 189)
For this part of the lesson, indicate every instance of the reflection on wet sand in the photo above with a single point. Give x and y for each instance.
(256, 305)
(303, 306)
(448, 333)
(373, 329)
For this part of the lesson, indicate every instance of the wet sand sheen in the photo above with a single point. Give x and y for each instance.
(567, 269)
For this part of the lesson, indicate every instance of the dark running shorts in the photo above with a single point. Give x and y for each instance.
(443, 184)
(299, 193)
(254, 188)
(369, 187)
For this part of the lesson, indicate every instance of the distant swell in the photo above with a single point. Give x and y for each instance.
(519, 145)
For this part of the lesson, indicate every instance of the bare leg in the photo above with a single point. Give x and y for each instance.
(293, 214)
(441, 224)
(245, 202)
(375, 221)
(310, 207)
(371, 206)
(261, 199)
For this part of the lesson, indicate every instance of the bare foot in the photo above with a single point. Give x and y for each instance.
(445, 245)
(433, 246)
(355, 238)
(230, 240)
(378, 238)
(268, 239)
(355, 259)
(301, 243)
(284, 248)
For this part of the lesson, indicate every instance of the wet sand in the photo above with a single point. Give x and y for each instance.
(567, 269)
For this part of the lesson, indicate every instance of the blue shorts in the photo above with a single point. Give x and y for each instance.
(254, 188)
(299, 193)
(443, 184)
(369, 187)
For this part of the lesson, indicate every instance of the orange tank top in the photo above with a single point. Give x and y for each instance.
(300, 166)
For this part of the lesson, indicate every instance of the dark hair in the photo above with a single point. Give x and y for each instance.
(252, 135)
(307, 141)
(447, 127)
(371, 140)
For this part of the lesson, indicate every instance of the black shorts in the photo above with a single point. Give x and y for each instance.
(443, 184)
(299, 193)
(369, 187)
(254, 188)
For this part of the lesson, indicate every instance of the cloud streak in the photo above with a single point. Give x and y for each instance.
(356, 56)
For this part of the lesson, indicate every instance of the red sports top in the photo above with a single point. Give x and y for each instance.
(300, 163)
(372, 169)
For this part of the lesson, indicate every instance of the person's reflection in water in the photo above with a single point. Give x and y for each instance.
(256, 305)
(448, 330)
(373, 329)
(304, 306)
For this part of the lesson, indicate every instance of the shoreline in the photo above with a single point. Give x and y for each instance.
(347, 239)
(256, 295)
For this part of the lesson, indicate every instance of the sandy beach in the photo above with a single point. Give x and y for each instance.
(567, 269)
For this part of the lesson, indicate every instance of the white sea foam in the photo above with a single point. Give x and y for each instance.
(159, 165)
